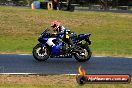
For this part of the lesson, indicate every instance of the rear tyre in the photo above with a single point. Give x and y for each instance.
(40, 54)
(86, 56)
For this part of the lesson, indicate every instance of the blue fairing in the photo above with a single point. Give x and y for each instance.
(42, 40)
(56, 49)
(82, 36)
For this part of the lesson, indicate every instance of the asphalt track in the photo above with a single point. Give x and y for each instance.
(12, 63)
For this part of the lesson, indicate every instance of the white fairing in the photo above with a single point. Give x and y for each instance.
(50, 41)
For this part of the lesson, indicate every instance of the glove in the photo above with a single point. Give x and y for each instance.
(54, 34)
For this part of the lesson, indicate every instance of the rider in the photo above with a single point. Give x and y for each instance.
(61, 30)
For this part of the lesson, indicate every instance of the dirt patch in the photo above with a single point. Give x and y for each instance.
(36, 79)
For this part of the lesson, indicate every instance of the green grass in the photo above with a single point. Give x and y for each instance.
(54, 81)
(12, 85)
(20, 28)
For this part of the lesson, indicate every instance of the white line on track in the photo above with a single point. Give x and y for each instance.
(92, 56)
(24, 54)
(100, 56)
(34, 74)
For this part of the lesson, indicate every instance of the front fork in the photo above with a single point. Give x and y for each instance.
(42, 48)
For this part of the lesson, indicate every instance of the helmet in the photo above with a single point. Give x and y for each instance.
(55, 25)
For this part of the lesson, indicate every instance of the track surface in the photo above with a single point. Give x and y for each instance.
(11, 63)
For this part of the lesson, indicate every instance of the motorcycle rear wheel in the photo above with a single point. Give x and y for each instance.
(40, 55)
(84, 58)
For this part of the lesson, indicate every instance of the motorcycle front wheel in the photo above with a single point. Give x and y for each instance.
(40, 54)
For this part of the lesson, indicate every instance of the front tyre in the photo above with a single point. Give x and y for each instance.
(40, 54)
(86, 56)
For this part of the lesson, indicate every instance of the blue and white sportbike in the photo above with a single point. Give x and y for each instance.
(51, 46)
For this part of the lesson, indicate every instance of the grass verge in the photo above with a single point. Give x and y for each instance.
(20, 28)
(50, 81)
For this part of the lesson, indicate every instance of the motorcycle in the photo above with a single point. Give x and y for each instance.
(51, 46)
